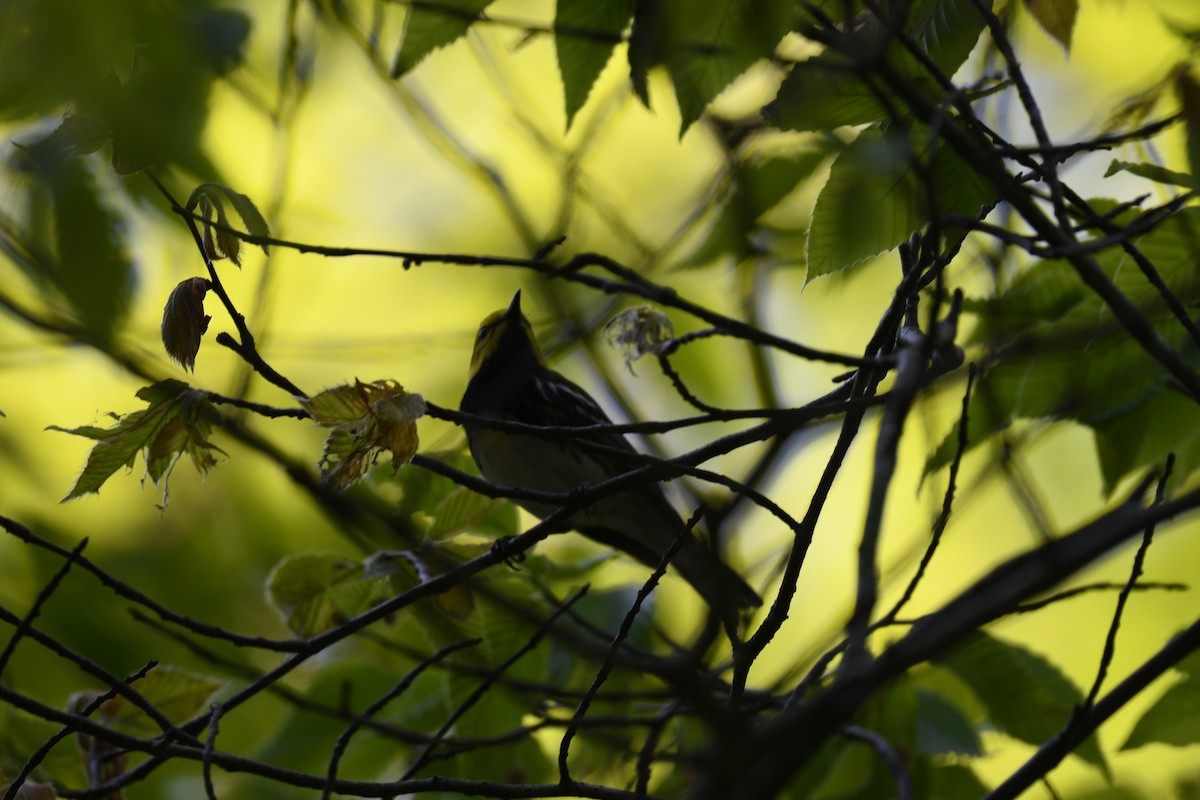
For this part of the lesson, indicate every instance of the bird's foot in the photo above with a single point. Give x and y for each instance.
(503, 548)
(581, 495)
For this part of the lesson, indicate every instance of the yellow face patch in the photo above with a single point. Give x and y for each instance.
(489, 334)
(493, 331)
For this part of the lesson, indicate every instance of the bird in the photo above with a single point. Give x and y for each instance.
(509, 380)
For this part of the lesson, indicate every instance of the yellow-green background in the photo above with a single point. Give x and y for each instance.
(359, 166)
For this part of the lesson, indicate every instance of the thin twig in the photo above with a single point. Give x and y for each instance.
(564, 748)
(486, 684)
(210, 746)
(939, 526)
(400, 688)
(1052, 752)
(1135, 572)
(26, 622)
(71, 724)
(887, 753)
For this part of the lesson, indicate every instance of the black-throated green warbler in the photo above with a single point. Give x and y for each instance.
(509, 380)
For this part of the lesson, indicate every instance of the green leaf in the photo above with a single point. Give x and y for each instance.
(1189, 101)
(418, 492)
(349, 683)
(943, 728)
(726, 237)
(315, 592)
(827, 91)
(809, 781)
(1153, 172)
(760, 182)
(178, 420)
(718, 41)
(94, 271)
(1174, 719)
(185, 433)
(252, 218)
(1168, 422)
(764, 179)
(433, 24)
(1191, 665)
(585, 34)
(77, 55)
(1026, 696)
(646, 44)
(850, 773)
(820, 94)
(704, 44)
(177, 693)
(1057, 18)
(876, 197)
(711, 50)
(459, 510)
(954, 782)
(1037, 329)
(603, 610)
(421, 497)
(22, 733)
(496, 606)
(1049, 381)
(947, 30)
(336, 406)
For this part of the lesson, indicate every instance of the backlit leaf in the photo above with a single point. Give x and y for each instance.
(94, 272)
(1048, 316)
(459, 510)
(943, 728)
(315, 592)
(433, 24)
(1174, 719)
(1153, 172)
(209, 199)
(177, 693)
(367, 419)
(827, 91)
(178, 420)
(1026, 696)
(1189, 101)
(877, 197)
(1057, 18)
(704, 44)
(585, 34)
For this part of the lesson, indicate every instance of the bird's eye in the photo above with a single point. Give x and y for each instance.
(484, 332)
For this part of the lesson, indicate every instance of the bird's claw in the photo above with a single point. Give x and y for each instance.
(503, 548)
(580, 495)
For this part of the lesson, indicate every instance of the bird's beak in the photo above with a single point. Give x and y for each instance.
(514, 308)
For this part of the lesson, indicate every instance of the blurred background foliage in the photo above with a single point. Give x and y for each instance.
(346, 133)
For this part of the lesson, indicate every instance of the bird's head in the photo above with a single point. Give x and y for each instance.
(504, 335)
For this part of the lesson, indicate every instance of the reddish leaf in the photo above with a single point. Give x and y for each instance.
(220, 240)
(184, 321)
(367, 419)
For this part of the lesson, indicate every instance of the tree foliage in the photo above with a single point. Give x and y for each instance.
(444, 652)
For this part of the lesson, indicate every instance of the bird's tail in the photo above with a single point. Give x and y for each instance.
(721, 587)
